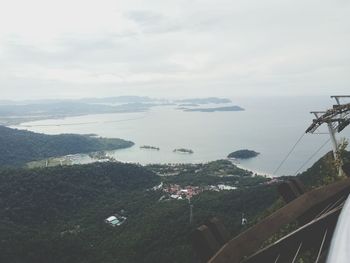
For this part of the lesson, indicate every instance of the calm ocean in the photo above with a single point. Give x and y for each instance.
(270, 126)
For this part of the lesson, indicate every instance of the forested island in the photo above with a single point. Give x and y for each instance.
(183, 150)
(19, 146)
(149, 147)
(243, 154)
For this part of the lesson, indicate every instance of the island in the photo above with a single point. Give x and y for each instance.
(183, 150)
(210, 100)
(149, 147)
(188, 105)
(243, 154)
(227, 108)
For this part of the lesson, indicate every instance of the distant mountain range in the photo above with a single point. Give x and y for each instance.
(15, 112)
(119, 100)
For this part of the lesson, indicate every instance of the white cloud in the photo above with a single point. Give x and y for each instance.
(191, 47)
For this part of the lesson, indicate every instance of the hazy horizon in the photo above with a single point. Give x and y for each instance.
(234, 99)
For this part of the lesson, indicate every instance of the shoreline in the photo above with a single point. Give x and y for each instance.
(259, 173)
(85, 158)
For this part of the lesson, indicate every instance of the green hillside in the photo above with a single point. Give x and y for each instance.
(57, 214)
(19, 147)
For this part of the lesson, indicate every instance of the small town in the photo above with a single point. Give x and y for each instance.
(175, 191)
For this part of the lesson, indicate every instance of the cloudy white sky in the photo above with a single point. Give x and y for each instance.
(85, 48)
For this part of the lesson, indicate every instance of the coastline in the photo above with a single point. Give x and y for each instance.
(85, 158)
(208, 146)
(259, 173)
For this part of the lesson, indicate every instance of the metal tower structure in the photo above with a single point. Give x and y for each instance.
(336, 119)
(191, 210)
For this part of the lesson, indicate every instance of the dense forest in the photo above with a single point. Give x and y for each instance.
(57, 215)
(19, 147)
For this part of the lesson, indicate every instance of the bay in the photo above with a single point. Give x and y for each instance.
(269, 125)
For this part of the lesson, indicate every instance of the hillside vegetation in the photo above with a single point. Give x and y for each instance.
(57, 215)
(323, 171)
(19, 147)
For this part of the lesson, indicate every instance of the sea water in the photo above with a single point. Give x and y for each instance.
(270, 126)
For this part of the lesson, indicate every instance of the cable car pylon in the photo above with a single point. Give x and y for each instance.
(336, 119)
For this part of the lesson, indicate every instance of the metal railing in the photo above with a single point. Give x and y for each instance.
(316, 213)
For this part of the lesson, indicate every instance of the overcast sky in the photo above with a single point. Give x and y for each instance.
(162, 48)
